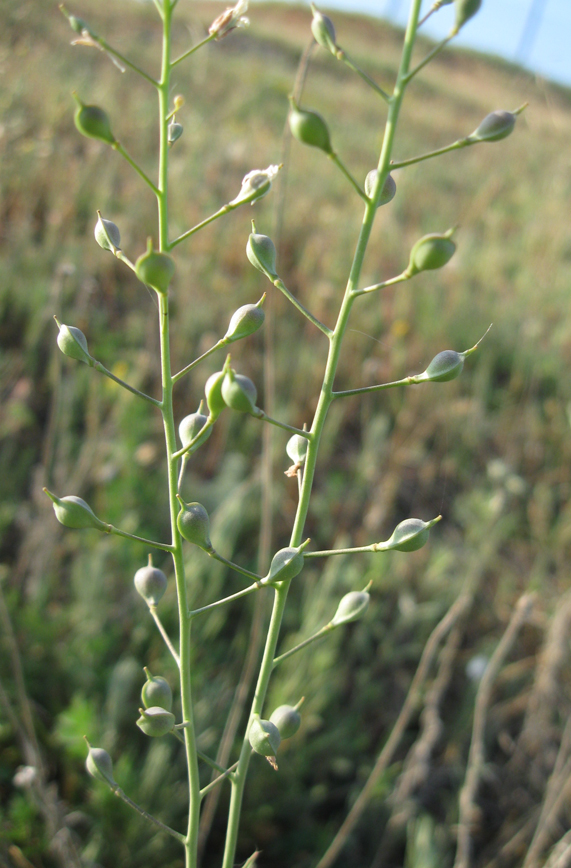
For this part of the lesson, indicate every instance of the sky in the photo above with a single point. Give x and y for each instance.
(535, 33)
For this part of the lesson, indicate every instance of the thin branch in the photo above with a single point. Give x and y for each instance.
(341, 55)
(218, 780)
(455, 146)
(414, 380)
(328, 628)
(263, 417)
(279, 284)
(106, 47)
(103, 370)
(165, 547)
(224, 210)
(121, 150)
(400, 278)
(189, 446)
(340, 165)
(119, 792)
(238, 595)
(430, 56)
(164, 634)
(248, 573)
(210, 762)
(221, 343)
(476, 756)
(194, 48)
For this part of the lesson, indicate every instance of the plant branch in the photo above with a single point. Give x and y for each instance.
(164, 634)
(121, 150)
(455, 146)
(165, 547)
(400, 278)
(103, 370)
(430, 56)
(342, 55)
(119, 792)
(406, 381)
(194, 48)
(340, 165)
(248, 573)
(279, 284)
(218, 780)
(108, 48)
(189, 232)
(237, 596)
(328, 628)
(189, 446)
(221, 343)
(263, 417)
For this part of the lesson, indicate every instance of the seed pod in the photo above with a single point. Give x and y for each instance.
(99, 765)
(255, 185)
(323, 30)
(93, 122)
(151, 583)
(309, 128)
(192, 425)
(351, 607)
(156, 692)
(296, 448)
(245, 321)
(264, 737)
(213, 392)
(155, 269)
(388, 191)
(447, 365)
(72, 511)
(194, 524)
(287, 719)
(107, 234)
(261, 252)
(495, 126)
(409, 535)
(430, 252)
(155, 721)
(464, 10)
(239, 392)
(286, 564)
(73, 343)
(174, 132)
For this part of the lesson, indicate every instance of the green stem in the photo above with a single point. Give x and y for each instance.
(189, 446)
(106, 47)
(103, 370)
(217, 780)
(340, 165)
(341, 55)
(430, 56)
(164, 634)
(192, 50)
(224, 210)
(325, 399)
(319, 635)
(191, 839)
(121, 150)
(455, 146)
(147, 542)
(248, 573)
(237, 596)
(406, 381)
(221, 343)
(263, 417)
(400, 278)
(119, 792)
(279, 284)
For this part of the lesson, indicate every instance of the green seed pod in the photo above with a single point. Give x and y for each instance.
(309, 128)
(409, 535)
(213, 392)
(155, 269)
(286, 564)
(93, 122)
(255, 185)
(194, 524)
(264, 737)
(447, 365)
(287, 719)
(261, 252)
(192, 425)
(174, 132)
(72, 511)
(388, 191)
(73, 343)
(99, 765)
(245, 321)
(351, 607)
(495, 126)
(155, 721)
(430, 252)
(151, 584)
(239, 392)
(156, 692)
(107, 234)
(323, 30)
(296, 448)
(464, 10)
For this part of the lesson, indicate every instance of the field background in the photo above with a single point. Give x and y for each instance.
(490, 451)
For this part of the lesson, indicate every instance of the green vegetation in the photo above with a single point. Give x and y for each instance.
(490, 450)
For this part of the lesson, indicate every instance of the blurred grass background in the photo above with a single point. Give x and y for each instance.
(490, 451)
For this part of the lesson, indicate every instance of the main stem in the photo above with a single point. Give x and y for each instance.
(325, 400)
(191, 839)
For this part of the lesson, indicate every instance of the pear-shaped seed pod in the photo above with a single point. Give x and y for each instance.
(261, 252)
(106, 231)
(239, 392)
(151, 583)
(464, 10)
(389, 187)
(351, 607)
(174, 132)
(410, 535)
(285, 565)
(495, 126)
(296, 448)
(73, 343)
(447, 365)
(323, 30)
(194, 524)
(213, 392)
(430, 252)
(99, 765)
(264, 737)
(156, 692)
(72, 511)
(309, 128)
(192, 425)
(287, 719)
(155, 269)
(155, 721)
(93, 122)
(245, 321)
